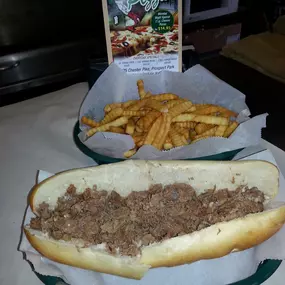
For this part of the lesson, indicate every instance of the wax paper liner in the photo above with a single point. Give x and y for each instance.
(197, 84)
(225, 270)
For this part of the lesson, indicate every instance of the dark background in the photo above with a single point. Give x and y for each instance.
(50, 44)
(28, 24)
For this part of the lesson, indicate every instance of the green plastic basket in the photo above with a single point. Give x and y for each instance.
(102, 159)
(264, 271)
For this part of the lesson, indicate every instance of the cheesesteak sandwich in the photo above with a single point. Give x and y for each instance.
(128, 217)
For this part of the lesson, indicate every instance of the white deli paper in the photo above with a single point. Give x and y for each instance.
(225, 270)
(197, 84)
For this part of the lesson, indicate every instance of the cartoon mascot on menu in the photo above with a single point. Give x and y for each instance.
(134, 10)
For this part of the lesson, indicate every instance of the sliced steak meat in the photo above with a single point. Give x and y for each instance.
(148, 239)
(155, 188)
(137, 199)
(36, 223)
(44, 210)
(125, 224)
(253, 195)
(71, 190)
(179, 192)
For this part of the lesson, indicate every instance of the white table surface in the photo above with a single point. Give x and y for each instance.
(37, 134)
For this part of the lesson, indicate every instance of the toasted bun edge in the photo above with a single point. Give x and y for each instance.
(86, 258)
(216, 241)
(212, 242)
(123, 176)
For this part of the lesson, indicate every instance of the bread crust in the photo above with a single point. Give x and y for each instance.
(123, 177)
(86, 258)
(217, 240)
(213, 242)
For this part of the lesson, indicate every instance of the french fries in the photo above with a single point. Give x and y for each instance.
(89, 122)
(168, 146)
(140, 142)
(177, 139)
(141, 90)
(130, 153)
(163, 120)
(207, 111)
(221, 121)
(136, 105)
(112, 106)
(117, 130)
(149, 119)
(153, 131)
(180, 108)
(192, 134)
(165, 97)
(117, 123)
(130, 128)
(231, 128)
(153, 104)
(172, 103)
(161, 135)
(138, 129)
(188, 125)
(220, 131)
(182, 131)
(209, 133)
(132, 113)
(137, 138)
(112, 115)
(201, 128)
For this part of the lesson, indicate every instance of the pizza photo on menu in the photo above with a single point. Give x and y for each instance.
(143, 36)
